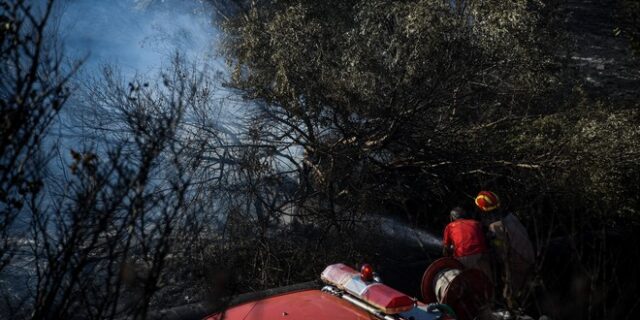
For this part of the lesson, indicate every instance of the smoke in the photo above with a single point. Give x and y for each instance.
(136, 39)
(137, 36)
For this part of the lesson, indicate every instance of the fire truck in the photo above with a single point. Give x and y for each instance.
(449, 291)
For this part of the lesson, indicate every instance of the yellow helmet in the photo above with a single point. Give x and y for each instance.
(487, 201)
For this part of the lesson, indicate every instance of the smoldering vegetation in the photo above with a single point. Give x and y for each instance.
(343, 131)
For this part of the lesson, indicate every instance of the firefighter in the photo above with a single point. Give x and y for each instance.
(464, 239)
(509, 244)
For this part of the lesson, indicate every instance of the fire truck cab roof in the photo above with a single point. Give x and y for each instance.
(347, 295)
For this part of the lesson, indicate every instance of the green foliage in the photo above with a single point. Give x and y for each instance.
(588, 149)
(390, 100)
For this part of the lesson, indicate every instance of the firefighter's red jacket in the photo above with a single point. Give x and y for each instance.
(466, 236)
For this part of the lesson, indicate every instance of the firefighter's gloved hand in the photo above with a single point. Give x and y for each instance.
(497, 243)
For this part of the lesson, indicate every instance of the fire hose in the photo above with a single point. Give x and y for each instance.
(467, 291)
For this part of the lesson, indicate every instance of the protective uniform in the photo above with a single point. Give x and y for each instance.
(509, 241)
(469, 244)
(513, 249)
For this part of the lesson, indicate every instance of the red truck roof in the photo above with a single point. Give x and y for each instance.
(348, 295)
(299, 305)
